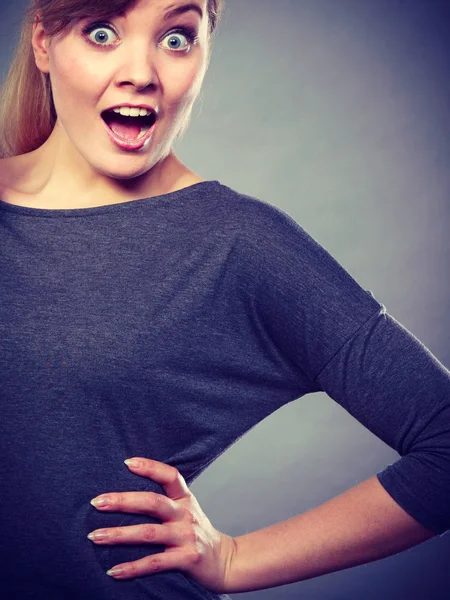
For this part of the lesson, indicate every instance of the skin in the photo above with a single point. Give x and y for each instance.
(78, 166)
(359, 526)
(192, 544)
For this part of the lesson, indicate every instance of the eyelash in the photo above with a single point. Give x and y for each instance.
(188, 32)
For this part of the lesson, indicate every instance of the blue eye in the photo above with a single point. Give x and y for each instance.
(101, 37)
(188, 34)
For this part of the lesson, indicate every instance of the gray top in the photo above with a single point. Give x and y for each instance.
(167, 327)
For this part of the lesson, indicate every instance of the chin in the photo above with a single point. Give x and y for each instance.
(128, 174)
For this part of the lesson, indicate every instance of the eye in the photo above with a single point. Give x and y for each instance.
(173, 39)
(100, 36)
(101, 31)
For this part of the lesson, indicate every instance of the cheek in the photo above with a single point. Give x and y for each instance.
(73, 78)
(182, 84)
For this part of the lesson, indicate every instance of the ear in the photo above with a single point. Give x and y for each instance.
(40, 43)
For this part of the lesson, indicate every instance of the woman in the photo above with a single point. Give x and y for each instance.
(148, 314)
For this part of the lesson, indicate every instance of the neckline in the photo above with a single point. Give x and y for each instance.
(107, 208)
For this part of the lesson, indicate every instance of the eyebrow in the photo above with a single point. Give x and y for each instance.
(175, 10)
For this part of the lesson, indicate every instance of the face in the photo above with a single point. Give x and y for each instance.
(141, 58)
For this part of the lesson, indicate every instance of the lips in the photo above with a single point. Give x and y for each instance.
(130, 144)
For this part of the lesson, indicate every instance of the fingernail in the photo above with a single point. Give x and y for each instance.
(133, 463)
(100, 502)
(115, 571)
(97, 535)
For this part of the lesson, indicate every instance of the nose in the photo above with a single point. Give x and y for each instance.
(138, 69)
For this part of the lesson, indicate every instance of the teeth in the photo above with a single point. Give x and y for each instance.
(126, 111)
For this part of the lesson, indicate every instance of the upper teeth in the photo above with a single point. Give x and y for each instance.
(126, 111)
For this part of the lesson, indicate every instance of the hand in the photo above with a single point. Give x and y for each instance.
(193, 545)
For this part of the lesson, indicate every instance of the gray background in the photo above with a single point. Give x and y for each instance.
(337, 112)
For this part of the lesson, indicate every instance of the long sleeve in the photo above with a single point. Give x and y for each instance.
(392, 384)
(328, 327)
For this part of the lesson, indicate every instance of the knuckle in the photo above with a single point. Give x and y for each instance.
(148, 532)
(193, 557)
(156, 564)
(117, 500)
(174, 475)
(189, 515)
(190, 536)
(132, 570)
(115, 534)
(157, 500)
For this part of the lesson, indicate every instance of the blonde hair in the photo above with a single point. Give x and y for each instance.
(27, 111)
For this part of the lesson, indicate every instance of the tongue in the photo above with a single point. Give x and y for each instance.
(127, 130)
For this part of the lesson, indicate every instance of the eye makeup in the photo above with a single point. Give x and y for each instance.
(188, 32)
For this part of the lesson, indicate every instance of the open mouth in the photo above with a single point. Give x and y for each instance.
(129, 128)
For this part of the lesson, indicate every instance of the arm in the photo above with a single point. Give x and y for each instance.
(317, 317)
(359, 526)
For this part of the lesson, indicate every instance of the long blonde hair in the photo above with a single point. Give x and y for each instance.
(27, 111)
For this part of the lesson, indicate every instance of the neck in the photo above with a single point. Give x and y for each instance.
(57, 176)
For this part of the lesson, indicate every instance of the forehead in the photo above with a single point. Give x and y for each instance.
(164, 9)
(170, 8)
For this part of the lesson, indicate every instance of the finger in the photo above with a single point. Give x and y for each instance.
(146, 533)
(141, 503)
(167, 476)
(154, 563)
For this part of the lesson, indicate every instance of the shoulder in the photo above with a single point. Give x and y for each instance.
(248, 214)
(278, 251)
(261, 225)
